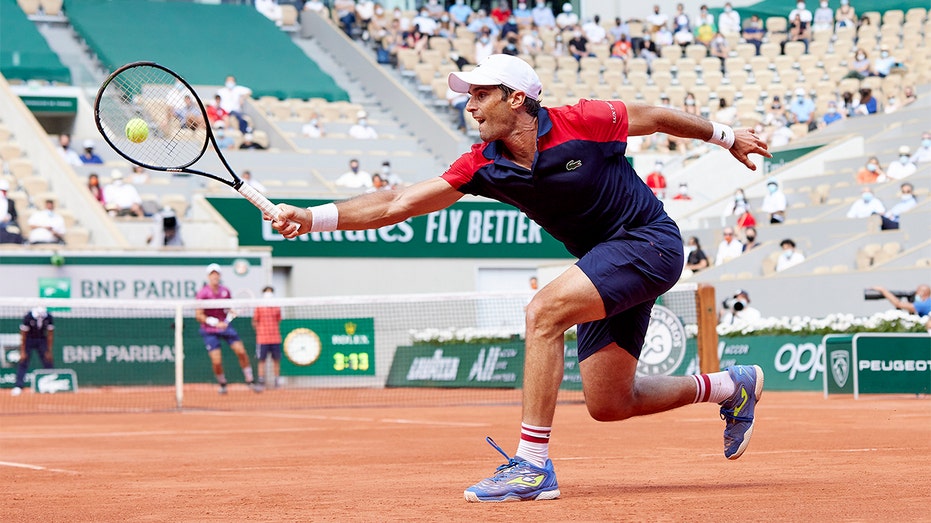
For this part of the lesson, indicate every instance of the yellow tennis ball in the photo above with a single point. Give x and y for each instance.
(137, 131)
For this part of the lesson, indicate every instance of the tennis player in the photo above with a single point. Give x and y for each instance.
(215, 328)
(564, 167)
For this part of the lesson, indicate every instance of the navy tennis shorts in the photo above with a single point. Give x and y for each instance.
(264, 350)
(630, 271)
(212, 339)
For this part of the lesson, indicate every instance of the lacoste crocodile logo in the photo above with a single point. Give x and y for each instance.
(572, 165)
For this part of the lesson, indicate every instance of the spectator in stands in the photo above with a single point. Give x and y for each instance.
(47, 226)
(578, 45)
(726, 113)
(270, 9)
(567, 19)
(861, 66)
(620, 28)
(530, 44)
(705, 26)
(799, 31)
(138, 175)
(248, 142)
(738, 310)
(681, 35)
(122, 198)
(729, 21)
(365, 11)
(224, 141)
(232, 98)
(559, 47)
(719, 49)
(908, 95)
(729, 248)
(501, 13)
(845, 16)
(921, 306)
(683, 192)
(543, 16)
(523, 16)
(188, 114)
(801, 108)
(460, 61)
(866, 206)
(70, 156)
(680, 21)
(257, 185)
(458, 102)
(594, 32)
(738, 207)
(883, 65)
(902, 168)
(315, 6)
(696, 259)
(648, 49)
(656, 181)
(831, 115)
(923, 153)
(754, 32)
(346, 14)
(775, 202)
(892, 104)
(446, 29)
(392, 179)
(849, 103)
(656, 20)
(872, 172)
(867, 104)
(361, 130)
(690, 105)
(460, 12)
(355, 178)
(480, 22)
(780, 134)
(378, 184)
(216, 115)
(790, 256)
(425, 23)
(166, 229)
(621, 48)
(800, 11)
(93, 185)
(906, 202)
(823, 19)
(750, 242)
(510, 45)
(89, 156)
(7, 206)
(313, 128)
(663, 37)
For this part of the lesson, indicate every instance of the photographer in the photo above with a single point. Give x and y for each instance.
(918, 302)
(737, 309)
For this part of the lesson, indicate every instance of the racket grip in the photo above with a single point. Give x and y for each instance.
(259, 200)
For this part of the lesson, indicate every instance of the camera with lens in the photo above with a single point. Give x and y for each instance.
(734, 303)
(870, 294)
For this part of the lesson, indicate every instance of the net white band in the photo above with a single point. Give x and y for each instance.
(722, 135)
(326, 217)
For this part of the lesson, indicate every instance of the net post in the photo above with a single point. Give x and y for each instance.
(179, 355)
(707, 337)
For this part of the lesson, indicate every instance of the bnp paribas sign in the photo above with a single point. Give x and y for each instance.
(464, 230)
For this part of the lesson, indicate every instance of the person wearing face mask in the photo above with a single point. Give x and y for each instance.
(523, 16)
(903, 167)
(861, 66)
(831, 115)
(361, 130)
(845, 16)
(884, 63)
(460, 11)
(738, 207)
(774, 203)
(802, 12)
(484, 46)
(920, 305)
(47, 226)
(313, 128)
(790, 256)
(390, 177)
(872, 172)
(754, 31)
(683, 193)
(232, 97)
(750, 242)
(866, 206)
(923, 153)
(729, 248)
(266, 321)
(729, 21)
(578, 45)
(543, 16)
(656, 181)
(823, 19)
(355, 178)
(705, 27)
(567, 19)
(906, 202)
(690, 105)
(648, 49)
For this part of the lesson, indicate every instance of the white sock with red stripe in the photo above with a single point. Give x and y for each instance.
(534, 444)
(713, 388)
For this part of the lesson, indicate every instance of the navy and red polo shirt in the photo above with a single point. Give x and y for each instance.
(580, 189)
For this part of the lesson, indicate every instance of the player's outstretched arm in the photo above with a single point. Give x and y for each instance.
(648, 119)
(368, 211)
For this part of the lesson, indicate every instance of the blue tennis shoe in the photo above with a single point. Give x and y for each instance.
(737, 411)
(516, 480)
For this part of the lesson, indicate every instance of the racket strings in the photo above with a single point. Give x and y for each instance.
(175, 133)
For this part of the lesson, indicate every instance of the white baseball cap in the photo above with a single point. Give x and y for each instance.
(499, 69)
(88, 144)
(4, 185)
(213, 267)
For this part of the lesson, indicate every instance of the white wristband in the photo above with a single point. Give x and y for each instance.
(326, 217)
(213, 322)
(721, 135)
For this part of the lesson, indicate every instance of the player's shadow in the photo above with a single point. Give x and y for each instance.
(602, 489)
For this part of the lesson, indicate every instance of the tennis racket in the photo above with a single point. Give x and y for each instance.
(153, 118)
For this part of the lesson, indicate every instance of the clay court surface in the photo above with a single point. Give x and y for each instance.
(811, 459)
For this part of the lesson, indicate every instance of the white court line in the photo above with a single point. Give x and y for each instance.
(398, 421)
(826, 451)
(33, 467)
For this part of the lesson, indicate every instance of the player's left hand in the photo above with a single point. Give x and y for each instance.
(747, 142)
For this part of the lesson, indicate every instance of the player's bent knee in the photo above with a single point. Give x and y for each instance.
(602, 412)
